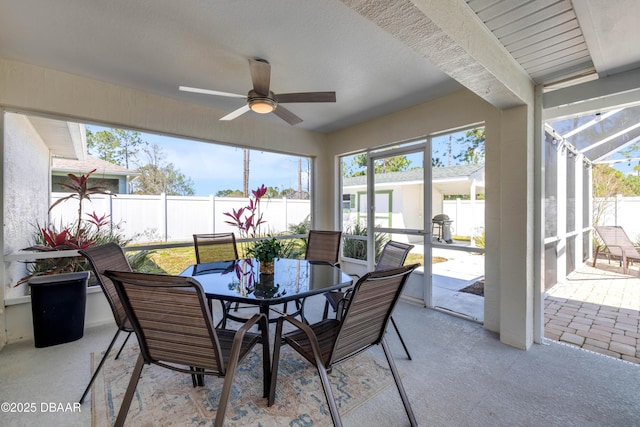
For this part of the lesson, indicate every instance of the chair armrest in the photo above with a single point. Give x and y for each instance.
(239, 337)
(308, 331)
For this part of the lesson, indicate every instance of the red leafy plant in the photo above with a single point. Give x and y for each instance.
(248, 219)
(82, 233)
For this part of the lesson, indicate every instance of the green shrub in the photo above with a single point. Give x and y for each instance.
(357, 249)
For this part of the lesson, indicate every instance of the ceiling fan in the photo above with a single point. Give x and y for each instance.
(261, 100)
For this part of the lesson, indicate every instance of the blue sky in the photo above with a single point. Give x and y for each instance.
(214, 167)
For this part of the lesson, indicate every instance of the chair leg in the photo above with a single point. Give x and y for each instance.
(196, 378)
(234, 358)
(95, 374)
(131, 389)
(276, 360)
(325, 313)
(123, 344)
(300, 309)
(595, 257)
(225, 307)
(406, 350)
(396, 377)
(333, 408)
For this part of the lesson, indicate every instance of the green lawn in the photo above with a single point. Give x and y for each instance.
(168, 261)
(175, 260)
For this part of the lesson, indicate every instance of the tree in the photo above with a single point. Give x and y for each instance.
(117, 146)
(473, 141)
(272, 193)
(160, 177)
(358, 165)
(607, 183)
(230, 193)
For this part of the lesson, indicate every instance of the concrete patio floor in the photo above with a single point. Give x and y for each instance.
(597, 309)
(460, 375)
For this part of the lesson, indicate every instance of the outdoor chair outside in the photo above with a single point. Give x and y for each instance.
(101, 258)
(175, 330)
(393, 255)
(363, 325)
(617, 243)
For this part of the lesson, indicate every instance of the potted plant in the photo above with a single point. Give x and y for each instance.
(58, 285)
(266, 251)
(80, 234)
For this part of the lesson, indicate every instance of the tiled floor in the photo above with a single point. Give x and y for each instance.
(597, 309)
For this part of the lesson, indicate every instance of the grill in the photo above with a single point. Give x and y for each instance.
(443, 224)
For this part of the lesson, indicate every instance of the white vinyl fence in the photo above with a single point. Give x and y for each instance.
(622, 211)
(162, 218)
(467, 216)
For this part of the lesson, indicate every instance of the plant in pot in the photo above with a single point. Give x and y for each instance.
(87, 230)
(266, 251)
(58, 295)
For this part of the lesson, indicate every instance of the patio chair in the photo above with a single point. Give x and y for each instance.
(109, 257)
(617, 244)
(324, 246)
(214, 248)
(393, 255)
(363, 325)
(175, 330)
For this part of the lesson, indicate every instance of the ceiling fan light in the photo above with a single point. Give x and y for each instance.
(262, 105)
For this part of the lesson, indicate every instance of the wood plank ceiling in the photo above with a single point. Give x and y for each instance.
(544, 36)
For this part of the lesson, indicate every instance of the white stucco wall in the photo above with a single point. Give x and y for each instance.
(38, 89)
(26, 192)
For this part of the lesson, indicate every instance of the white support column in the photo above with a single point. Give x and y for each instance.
(516, 242)
(579, 207)
(561, 210)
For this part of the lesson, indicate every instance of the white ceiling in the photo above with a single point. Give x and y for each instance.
(158, 45)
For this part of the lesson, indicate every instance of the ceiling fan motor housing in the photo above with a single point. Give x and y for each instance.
(260, 103)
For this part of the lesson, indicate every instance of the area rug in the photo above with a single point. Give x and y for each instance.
(164, 397)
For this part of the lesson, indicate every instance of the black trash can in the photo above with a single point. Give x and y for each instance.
(58, 306)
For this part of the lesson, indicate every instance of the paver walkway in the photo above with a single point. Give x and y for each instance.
(597, 309)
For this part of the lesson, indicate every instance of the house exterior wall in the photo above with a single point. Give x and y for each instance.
(26, 191)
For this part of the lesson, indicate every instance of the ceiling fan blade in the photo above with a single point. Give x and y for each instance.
(210, 92)
(306, 97)
(287, 115)
(260, 75)
(232, 115)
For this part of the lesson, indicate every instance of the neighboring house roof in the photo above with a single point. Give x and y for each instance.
(445, 173)
(91, 163)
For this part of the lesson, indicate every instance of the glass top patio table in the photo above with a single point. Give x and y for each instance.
(292, 279)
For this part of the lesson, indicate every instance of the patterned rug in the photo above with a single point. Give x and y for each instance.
(164, 397)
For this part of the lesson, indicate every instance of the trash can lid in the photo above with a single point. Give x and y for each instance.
(62, 277)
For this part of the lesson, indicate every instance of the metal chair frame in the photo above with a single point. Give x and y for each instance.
(183, 337)
(330, 341)
(108, 256)
(393, 255)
